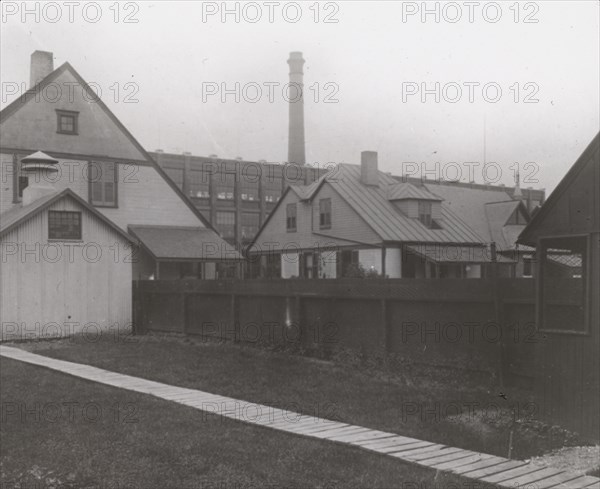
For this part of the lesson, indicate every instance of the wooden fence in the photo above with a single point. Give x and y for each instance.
(467, 324)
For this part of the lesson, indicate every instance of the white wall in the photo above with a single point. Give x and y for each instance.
(56, 288)
(290, 265)
(393, 262)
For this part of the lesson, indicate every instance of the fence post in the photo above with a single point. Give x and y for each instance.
(235, 314)
(386, 326)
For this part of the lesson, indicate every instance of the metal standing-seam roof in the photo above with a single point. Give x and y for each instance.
(184, 243)
(372, 204)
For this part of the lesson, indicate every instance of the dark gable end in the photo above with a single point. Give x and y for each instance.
(575, 202)
(30, 95)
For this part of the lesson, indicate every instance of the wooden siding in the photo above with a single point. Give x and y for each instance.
(34, 125)
(6, 181)
(144, 197)
(347, 229)
(52, 288)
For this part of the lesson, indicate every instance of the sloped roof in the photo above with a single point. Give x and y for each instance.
(470, 204)
(498, 213)
(184, 243)
(400, 191)
(34, 92)
(442, 253)
(21, 213)
(529, 234)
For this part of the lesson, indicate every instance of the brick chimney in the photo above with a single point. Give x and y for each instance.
(41, 172)
(42, 64)
(296, 151)
(369, 174)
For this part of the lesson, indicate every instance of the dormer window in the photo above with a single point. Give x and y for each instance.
(325, 214)
(67, 122)
(425, 212)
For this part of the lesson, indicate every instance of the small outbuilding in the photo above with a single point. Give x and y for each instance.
(566, 235)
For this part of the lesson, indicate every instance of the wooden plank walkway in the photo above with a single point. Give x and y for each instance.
(476, 466)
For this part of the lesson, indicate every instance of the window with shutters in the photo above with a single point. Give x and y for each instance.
(103, 184)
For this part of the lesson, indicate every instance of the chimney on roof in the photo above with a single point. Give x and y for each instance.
(517, 194)
(41, 171)
(296, 150)
(42, 64)
(369, 174)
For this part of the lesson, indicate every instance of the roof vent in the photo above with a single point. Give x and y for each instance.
(41, 171)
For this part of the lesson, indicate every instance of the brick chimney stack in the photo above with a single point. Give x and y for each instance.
(296, 150)
(42, 64)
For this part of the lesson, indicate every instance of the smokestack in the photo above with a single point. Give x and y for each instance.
(42, 64)
(296, 152)
(41, 172)
(369, 175)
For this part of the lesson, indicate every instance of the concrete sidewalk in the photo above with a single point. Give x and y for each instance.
(471, 465)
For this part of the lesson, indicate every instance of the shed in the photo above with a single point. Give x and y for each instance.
(566, 235)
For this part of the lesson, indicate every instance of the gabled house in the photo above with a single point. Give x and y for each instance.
(111, 181)
(357, 220)
(566, 236)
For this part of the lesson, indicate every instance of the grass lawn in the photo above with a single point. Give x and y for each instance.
(418, 405)
(60, 431)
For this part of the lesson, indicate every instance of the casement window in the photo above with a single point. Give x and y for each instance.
(425, 213)
(103, 184)
(563, 284)
(67, 122)
(64, 225)
(226, 224)
(325, 213)
(527, 267)
(291, 216)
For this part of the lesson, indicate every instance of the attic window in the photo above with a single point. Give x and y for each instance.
(291, 214)
(67, 122)
(325, 213)
(64, 225)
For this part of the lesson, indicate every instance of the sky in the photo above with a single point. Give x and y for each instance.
(436, 88)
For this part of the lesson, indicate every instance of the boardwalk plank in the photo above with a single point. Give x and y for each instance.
(511, 474)
(504, 466)
(488, 462)
(468, 464)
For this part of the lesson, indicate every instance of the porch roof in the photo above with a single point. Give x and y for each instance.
(184, 243)
(443, 253)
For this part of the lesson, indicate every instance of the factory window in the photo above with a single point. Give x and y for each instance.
(250, 225)
(225, 186)
(199, 184)
(103, 184)
(325, 213)
(250, 191)
(226, 224)
(272, 189)
(291, 217)
(67, 121)
(175, 174)
(64, 225)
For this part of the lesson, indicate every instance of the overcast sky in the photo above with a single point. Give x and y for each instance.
(366, 64)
